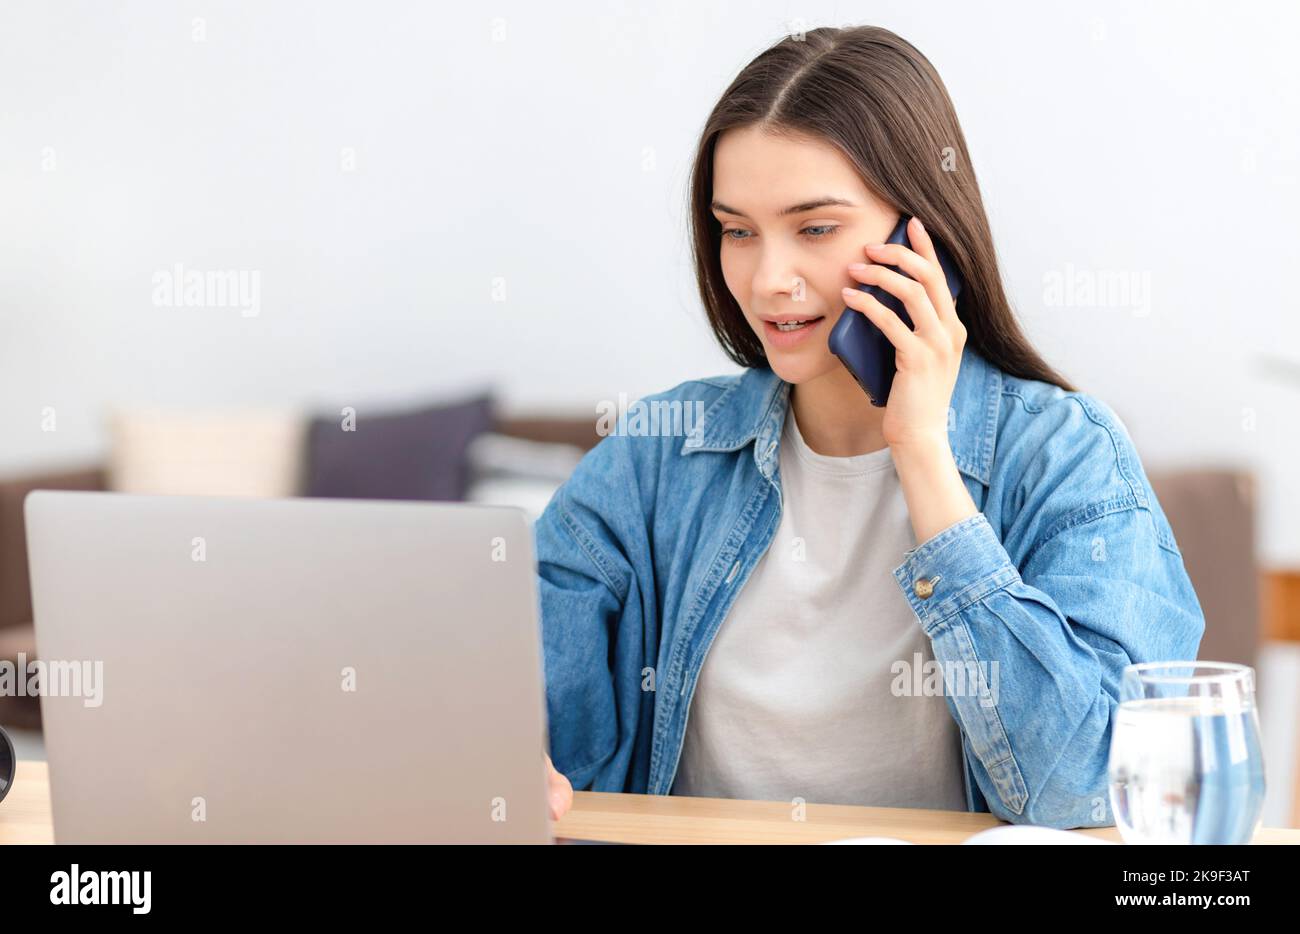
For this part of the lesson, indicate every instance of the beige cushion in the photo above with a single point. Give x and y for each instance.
(257, 453)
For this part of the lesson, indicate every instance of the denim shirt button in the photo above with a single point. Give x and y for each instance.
(923, 588)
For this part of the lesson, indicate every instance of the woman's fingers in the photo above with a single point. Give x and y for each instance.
(911, 292)
(940, 294)
(559, 791)
(919, 237)
(892, 326)
(922, 264)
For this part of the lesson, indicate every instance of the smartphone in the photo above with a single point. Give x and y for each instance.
(861, 346)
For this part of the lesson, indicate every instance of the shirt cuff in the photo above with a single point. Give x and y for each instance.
(956, 567)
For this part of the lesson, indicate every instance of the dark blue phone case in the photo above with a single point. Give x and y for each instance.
(861, 346)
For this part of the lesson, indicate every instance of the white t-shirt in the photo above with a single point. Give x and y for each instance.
(798, 696)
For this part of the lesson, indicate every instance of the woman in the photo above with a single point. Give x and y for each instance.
(805, 597)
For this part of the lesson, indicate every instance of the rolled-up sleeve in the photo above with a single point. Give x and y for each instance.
(1032, 654)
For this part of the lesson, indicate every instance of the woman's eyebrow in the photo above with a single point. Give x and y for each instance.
(825, 201)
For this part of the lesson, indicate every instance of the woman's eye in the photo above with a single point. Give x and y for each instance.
(817, 232)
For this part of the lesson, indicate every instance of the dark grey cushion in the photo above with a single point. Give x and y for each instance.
(406, 455)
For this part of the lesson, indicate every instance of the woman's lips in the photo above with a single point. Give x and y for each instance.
(784, 340)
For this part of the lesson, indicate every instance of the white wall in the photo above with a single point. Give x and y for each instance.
(1158, 141)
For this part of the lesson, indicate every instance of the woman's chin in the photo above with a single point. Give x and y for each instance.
(799, 368)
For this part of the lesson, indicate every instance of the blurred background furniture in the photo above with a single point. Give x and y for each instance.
(1212, 514)
(16, 634)
(487, 481)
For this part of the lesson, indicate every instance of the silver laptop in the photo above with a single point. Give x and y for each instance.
(224, 669)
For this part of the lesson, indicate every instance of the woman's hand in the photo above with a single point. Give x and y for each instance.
(928, 358)
(558, 790)
(915, 425)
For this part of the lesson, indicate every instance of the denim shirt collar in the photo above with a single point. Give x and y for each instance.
(753, 407)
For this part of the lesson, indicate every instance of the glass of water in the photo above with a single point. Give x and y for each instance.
(1185, 758)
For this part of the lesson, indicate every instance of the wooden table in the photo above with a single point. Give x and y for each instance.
(25, 818)
(25, 812)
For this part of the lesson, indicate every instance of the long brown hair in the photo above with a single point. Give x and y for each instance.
(880, 101)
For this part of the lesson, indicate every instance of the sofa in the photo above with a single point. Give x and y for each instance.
(1212, 514)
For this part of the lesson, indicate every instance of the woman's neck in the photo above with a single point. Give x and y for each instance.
(835, 417)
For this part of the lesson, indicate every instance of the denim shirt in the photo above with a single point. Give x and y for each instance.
(1067, 574)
